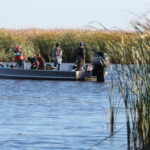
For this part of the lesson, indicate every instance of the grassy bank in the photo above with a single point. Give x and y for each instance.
(42, 41)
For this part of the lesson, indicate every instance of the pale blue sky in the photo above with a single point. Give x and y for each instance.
(71, 13)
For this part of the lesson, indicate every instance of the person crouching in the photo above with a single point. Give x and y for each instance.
(34, 62)
(41, 61)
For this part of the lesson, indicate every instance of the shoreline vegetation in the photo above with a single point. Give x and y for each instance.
(42, 41)
(134, 88)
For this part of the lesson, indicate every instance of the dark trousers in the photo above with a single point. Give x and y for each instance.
(20, 64)
(99, 71)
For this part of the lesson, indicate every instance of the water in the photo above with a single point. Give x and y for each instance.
(57, 115)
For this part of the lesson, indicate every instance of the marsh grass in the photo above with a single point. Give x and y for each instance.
(134, 86)
(43, 41)
(115, 104)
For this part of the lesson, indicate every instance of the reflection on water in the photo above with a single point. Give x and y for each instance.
(57, 115)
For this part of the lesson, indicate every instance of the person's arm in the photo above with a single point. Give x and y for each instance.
(60, 52)
(43, 60)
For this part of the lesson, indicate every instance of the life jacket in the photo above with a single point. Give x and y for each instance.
(18, 55)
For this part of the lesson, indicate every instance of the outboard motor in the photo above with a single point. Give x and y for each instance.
(100, 61)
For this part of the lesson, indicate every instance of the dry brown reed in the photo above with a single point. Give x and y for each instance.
(43, 40)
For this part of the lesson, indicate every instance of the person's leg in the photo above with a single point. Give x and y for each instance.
(22, 65)
(18, 64)
(55, 62)
(100, 73)
(58, 66)
(78, 63)
(81, 64)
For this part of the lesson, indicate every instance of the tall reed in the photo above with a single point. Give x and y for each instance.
(133, 81)
(43, 41)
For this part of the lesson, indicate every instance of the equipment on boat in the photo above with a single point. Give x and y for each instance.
(100, 62)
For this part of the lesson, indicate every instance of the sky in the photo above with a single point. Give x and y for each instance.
(72, 14)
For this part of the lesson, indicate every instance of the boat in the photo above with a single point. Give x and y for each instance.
(90, 71)
(11, 73)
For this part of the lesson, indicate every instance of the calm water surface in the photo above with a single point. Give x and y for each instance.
(57, 115)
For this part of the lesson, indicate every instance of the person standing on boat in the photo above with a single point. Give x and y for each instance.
(57, 56)
(80, 56)
(19, 57)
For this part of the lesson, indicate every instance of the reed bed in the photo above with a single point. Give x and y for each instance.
(43, 41)
(134, 87)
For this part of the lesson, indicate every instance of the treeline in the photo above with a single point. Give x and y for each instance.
(34, 41)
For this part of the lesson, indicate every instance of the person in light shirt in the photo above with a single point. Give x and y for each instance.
(57, 56)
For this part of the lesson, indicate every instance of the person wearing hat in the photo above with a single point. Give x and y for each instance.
(19, 58)
(57, 56)
(80, 56)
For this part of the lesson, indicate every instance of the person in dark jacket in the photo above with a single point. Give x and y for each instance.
(80, 56)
